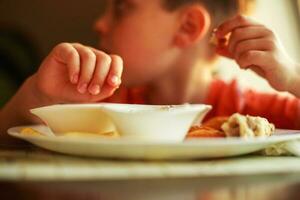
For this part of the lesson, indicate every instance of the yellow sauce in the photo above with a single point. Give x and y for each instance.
(90, 135)
(33, 132)
(30, 132)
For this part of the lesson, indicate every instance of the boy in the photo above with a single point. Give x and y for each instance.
(165, 47)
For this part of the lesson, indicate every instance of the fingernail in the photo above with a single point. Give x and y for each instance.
(75, 78)
(95, 89)
(82, 88)
(115, 80)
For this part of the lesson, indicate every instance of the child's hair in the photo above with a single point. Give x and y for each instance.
(219, 9)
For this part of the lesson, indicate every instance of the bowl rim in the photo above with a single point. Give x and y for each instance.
(128, 108)
(182, 108)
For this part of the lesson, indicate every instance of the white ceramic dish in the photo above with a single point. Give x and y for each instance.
(87, 118)
(155, 123)
(137, 122)
(129, 149)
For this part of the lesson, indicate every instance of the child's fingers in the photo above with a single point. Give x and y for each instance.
(259, 71)
(103, 65)
(87, 67)
(262, 44)
(236, 22)
(113, 80)
(247, 33)
(116, 70)
(253, 58)
(106, 92)
(67, 54)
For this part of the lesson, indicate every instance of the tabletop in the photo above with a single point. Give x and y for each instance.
(32, 170)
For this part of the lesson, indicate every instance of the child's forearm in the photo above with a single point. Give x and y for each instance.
(16, 111)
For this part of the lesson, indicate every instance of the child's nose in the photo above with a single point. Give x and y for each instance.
(102, 25)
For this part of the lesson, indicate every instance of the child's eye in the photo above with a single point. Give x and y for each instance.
(121, 7)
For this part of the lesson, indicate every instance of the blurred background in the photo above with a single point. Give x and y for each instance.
(30, 29)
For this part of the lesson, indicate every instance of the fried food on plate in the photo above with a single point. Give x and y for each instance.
(247, 126)
(215, 122)
(237, 125)
(209, 129)
(204, 132)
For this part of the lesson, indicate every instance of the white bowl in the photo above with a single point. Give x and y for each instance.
(86, 118)
(155, 123)
(136, 122)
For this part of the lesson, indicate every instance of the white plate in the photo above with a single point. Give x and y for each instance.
(128, 149)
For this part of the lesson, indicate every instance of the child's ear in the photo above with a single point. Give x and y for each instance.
(194, 25)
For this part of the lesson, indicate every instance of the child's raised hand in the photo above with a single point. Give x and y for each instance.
(77, 73)
(255, 46)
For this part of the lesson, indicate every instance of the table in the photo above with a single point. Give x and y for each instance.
(28, 172)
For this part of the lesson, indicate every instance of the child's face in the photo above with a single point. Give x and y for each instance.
(142, 33)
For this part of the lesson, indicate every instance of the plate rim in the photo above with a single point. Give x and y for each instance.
(14, 132)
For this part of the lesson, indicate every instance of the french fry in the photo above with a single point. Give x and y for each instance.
(205, 132)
